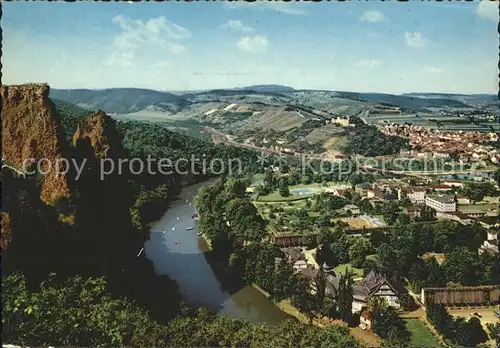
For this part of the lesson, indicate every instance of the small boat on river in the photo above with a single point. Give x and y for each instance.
(189, 228)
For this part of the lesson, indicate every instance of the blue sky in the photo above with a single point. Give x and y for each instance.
(352, 46)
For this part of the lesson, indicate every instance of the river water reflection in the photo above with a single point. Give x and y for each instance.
(179, 254)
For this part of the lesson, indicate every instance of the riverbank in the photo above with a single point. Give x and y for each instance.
(366, 337)
(287, 307)
(178, 252)
(208, 241)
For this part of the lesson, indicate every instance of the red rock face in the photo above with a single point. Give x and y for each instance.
(6, 230)
(31, 130)
(99, 130)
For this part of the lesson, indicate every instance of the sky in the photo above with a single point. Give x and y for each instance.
(372, 46)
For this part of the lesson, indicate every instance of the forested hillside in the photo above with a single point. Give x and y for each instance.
(369, 141)
(81, 312)
(86, 282)
(120, 100)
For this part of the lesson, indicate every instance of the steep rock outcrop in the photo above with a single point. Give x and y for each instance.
(6, 230)
(31, 130)
(99, 130)
(104, 195)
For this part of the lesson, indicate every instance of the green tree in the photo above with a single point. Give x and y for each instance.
(324, 220)
(359, 250)
(494, 331)
(462, 266)
(439, 317)
(283, 189)
(344, 296)
(469, 333)
(387, 324)
(78, 312)
(387, 260)
(320, 281)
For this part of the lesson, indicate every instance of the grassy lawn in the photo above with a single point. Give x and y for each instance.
(275, 197)
(284, 204)
(358, 272)
(420, 334)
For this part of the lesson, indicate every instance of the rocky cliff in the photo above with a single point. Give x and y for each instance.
(6, 230)
(99, 131)
(31, 130)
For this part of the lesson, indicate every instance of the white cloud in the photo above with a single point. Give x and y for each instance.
(281, 7)
(176, 48)
(369, 63)
(138, 33)
(414, 39)
(121, 59)
(372, 16)
(238, 25)
(253, 44)
(433, 70)
(488, 10)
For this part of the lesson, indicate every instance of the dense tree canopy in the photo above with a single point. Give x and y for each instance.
(81, 312)
(367, 140)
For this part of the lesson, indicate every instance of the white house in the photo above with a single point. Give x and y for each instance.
(453, 183)
(354, 209)
(300, 264)
(463, 199)
(365, 320)
(443, 203)
(490, 245)
(415, 194)
(375, 285)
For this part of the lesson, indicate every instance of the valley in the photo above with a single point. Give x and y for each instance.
(282, 117)
(254, 174)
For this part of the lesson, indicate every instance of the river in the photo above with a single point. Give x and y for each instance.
(179, 254)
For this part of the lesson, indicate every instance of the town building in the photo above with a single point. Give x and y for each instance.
(490, 245)
(462, 199)
(420, 212)
(354, 209)
(300, 265)
(370, 193)
(489, 222)
(441, 188)
(453, 183)
(376, 285)
(339, 192)
(458, 216)
(365, 320)
(376, 203)
(441, 203)
(416, 195)
(342, 121)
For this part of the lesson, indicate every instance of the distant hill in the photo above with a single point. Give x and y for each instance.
(403, 101)
(269, 88)
(121, 100)
(470, 99)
